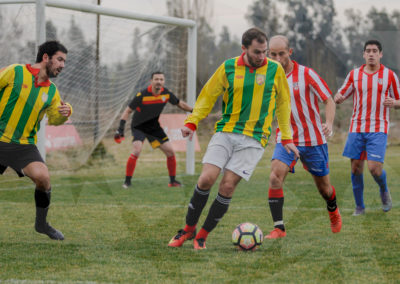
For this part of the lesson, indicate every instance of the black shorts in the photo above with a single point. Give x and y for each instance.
(156, 136)
(18, 156)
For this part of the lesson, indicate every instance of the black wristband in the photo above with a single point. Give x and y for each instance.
(122, 124)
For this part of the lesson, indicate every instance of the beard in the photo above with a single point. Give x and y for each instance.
(254, 63)
(51, 72)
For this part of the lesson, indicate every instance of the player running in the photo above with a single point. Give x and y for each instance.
(309, 135)
(375, 89)
(253, 88)
(26, 95)
(148, 105)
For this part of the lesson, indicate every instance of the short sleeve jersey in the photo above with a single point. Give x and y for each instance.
(369, 92)
(307, 88)
(148, 107)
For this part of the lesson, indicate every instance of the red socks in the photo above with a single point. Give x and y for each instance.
(130, 165)
(171, 165)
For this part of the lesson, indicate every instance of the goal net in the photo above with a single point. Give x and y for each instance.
(108, 62)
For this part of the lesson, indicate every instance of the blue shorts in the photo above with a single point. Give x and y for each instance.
(366, 146)
(314, 158)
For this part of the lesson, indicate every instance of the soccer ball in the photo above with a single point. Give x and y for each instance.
(247, 236)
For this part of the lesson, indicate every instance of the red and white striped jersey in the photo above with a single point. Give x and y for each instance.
(306, 89)
(369, 91)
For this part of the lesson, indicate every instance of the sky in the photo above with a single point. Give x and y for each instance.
(232, 12)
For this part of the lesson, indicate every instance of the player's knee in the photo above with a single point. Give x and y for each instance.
(42, 180)
(275, 180)
(226, 188)
(205, 182)
(376, 172)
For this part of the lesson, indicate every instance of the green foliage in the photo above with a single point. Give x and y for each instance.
(120, 236)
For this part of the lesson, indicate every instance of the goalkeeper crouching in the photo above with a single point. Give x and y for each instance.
(26, 95)
(147, 106)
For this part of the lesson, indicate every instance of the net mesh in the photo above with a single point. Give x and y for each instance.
(100, 77)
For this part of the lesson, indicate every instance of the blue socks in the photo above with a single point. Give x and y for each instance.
(381, 181)
(358, 189)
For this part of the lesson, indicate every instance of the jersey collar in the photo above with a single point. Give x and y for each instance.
(150, 90)
(295, 66)
(241, 62)
(369, 74)
(35, 72)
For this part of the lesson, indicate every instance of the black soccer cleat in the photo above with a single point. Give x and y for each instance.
(49, 231)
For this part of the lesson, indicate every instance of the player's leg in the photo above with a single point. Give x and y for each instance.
(39, 174)
(282, 163)
(328, 193)
(208, 177)
(355, 149)
(376, 149)
(379, 175)
(218, 153)
(219, 207)
(357, 181)
(243, 160)
(168, 150)
(137, 144)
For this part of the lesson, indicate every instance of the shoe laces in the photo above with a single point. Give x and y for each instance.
(335, 218)
(180, 234)
(201, 242)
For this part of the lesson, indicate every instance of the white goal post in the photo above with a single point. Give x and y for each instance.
(112, 12)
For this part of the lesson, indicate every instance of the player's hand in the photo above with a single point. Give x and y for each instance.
(339, 98)
(119, 136)
(64, 109)
(389, 102)
(187, 132)
(290, 147)
(327, 129)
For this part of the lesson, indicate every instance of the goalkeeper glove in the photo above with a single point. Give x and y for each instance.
(119, 134)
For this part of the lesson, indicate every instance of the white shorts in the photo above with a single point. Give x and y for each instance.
(235, 152)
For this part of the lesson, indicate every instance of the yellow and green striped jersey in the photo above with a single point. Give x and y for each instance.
(250, 99)
(24, 102)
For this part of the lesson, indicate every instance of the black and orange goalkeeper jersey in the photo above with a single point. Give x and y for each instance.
(147, 107)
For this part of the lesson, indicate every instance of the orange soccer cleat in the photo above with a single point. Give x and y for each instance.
(276, 234)
(336, 221)
(199, 244)
(180, 238)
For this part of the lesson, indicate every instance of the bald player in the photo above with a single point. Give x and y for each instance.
(309, 136)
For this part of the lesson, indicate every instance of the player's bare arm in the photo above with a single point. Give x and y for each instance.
(120, 133)
(330, 109)
(184, 106)
(391, 103)
(339, 98)
(127, 112)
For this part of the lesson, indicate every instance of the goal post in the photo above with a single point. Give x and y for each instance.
(159, 46)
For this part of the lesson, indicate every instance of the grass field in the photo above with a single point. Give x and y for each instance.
(114, 235)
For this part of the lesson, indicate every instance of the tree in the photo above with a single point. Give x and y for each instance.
(265, 15)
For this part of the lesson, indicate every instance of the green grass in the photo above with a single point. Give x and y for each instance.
(115, 235)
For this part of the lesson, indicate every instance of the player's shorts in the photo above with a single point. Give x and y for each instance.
(315, 159)
(156, 136)
(235, 152)
(366, 146)
(18, 156)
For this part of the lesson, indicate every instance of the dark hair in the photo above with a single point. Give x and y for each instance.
(156, 73)
(373, 42)
(251, 34)
(50, 48)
